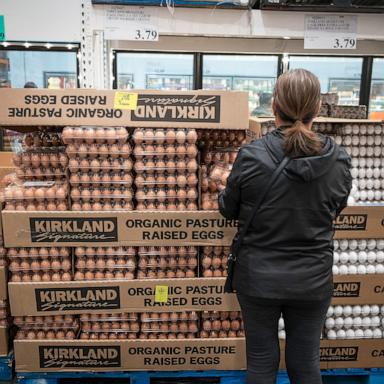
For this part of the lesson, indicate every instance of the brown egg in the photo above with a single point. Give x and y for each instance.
(180, 137)
(46, 277)
(56, 277)
(66, 276)
(190, 274)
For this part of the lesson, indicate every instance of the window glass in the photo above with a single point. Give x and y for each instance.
(376, 105)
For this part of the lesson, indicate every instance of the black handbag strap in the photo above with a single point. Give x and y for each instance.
(276, 173)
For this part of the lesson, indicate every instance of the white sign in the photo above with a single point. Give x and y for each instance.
(131, 23)
(330, 32)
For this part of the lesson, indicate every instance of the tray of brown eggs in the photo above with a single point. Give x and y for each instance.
(168, 136)
(167, 262)
(59, 327)
(39, 264)
(214, 261)
(109, 326)
(99, 263)
(101, 179)
(219, 138)
(41, 157)
(98, 151)
(222, 325)
(36, 196)
(95, 135)
(173, 325)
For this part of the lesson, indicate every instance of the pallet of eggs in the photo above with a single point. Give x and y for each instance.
(109, 326)
(354, 322)
(167, 262)
(40, 264)
(214, 261)
(221, 325)
(98, 263)
(364, 256)
(59, 327)
(100, 166)
(166, 169)
(40, 156)
(169, 325)
(219, 150)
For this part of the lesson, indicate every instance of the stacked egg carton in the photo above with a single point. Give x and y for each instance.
(109, 326)
(173, 325)
(100, 165)
(214, 261)
(41, 169)
(364, 256)
(40, 264)
(167, 262)
(46, 327)
(98, 263)
(355, 322)
(221, 324)
(166, 169)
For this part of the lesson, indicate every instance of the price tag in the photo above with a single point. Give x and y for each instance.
(2, 28)
(161, 294)
(147, 34)
(125, 100)
(330, 32)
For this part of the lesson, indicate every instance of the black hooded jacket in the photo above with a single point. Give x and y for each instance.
(287, 252)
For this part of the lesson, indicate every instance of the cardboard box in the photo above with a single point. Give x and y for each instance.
(140, 228)
(4, 341)
(3, 283)
(198, 294)
(171, 355)
(134, 108)
(130, 355)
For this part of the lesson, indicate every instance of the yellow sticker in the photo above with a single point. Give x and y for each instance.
(161, 294)
(125, 100)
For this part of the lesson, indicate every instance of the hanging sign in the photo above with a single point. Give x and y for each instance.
(2, 28)
(330, 32)
(131, 23)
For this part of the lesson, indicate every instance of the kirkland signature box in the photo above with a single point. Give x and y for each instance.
(134, 108)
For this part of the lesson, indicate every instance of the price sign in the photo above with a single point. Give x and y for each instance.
(330, 32)
(146, 34)
(2, 28)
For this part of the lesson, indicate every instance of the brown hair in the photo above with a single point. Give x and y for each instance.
(297, 101)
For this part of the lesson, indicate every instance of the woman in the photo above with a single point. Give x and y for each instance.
(284, 265)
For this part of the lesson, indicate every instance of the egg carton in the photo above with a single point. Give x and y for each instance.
(108, 251)
(179, 273)
(170, 166)
(107, 275)
(221, 334)
(96, 194)
(21, 277)
(163, 263)
(167, 206)
(160, 136)
(161, 180)
(97, 165)
(111, 326)
(36, 158)
(167, 336)
(214, 273)
(41, 334)
(49, 138)
(102, 179)
(108, 336)
(50, 327)
(119, 205)
(109, 317)
(63, 264)
(213, 263)
(97, 135)
(41, 253)
(167, 251)
(224, 156)
(104, 266)
(48, 173)
(169, 317)
(101, 151)
(57, 320)
(40, 206)
(209, 201)
(172, 329)
(169, 152)
(221, 315)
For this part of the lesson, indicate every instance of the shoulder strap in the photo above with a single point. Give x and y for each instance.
(276, 173)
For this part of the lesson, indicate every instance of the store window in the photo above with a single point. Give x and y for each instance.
(341, 75)
(251, 73)
(154, 71)
(376, 104)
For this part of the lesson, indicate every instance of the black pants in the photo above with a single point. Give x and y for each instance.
(303, 324)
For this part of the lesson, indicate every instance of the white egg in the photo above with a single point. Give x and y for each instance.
(369, 173)
(357, 322)
(362, 151)
(335, 269)
(330, 323)
(355, 162)
(352, 244)
(370, 195)
(344, 257)
(376, 163)
(338, 310)
(359, 334)
(371, 256)
(366, 322)
(368, 184)
(356, 310)
(343, 244)
(379, 268)
(336, 244)
(376, 172)
(347, 310)
(362, 257)
(376, 183)
(348, 322)
(336, 257)
(340, 334)
(362, 244)
(371, 269)
(365, 310)
(378, 129)
(351, 201)
(380, 244)
(330, 311)
(375, 321)
(353, 257)
(375, 310)
(378, 195)
(377, 333)
(361, 270)
(368, 334)
(331, 334)
(370, 140)
(343, 269)
(377, 151)
(352, 269)
(363, 195)
(350, 334)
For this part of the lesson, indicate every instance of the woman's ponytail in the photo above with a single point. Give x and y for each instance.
(297, 101)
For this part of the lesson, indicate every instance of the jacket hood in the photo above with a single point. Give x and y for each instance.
(303, 168)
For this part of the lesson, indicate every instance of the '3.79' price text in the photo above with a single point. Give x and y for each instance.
(146, 34)
(344, 43)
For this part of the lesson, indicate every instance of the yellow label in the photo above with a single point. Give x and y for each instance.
(161, 294)
(125, 100)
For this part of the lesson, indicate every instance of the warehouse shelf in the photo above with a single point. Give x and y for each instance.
(345, 376)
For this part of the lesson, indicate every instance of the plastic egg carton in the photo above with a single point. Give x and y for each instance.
(40, 276)
(104, 251)
(42, 334)
(164, 136)
(106, 263)
(111, 194)
(168, 251)
(221, 324)
(172, 180)
(57, 321)
(104, 274)
(224, 156)
(42, 174)
(54, 205)
(165, 151)
(42, 252)
(151, 166)
(166, 273)
(41, 157)
(162, 262)
(99, 151)
(109, 317)
(127, 326)
(210, 201)
(167, 206)
(214, 261)
(212, 139)
(40, 265)
(95, 135)
(49, 138)
(101, 179)
(108, 336)
(36, 191)
(355, 322)
(95, 165)
(103, 206)
(167, 194)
